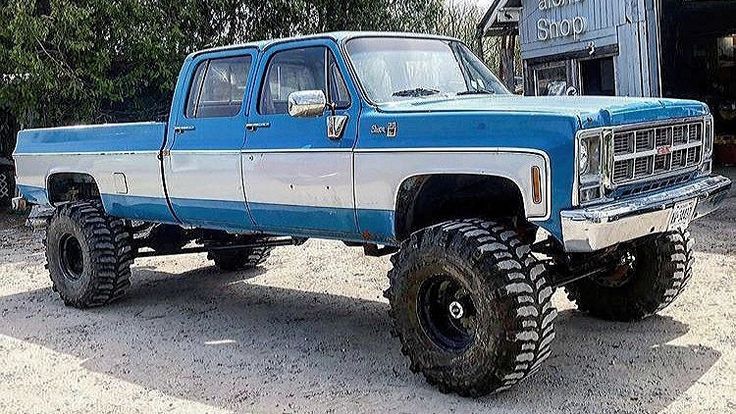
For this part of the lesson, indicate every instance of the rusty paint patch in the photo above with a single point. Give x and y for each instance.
(367, 235)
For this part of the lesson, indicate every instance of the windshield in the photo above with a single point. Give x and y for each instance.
(393, 69)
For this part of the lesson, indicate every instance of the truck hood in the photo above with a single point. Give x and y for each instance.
(592, 111)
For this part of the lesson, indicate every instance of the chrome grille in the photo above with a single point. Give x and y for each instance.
(662, 162)
(664, 137)
(695, 132)
(642, 153)
(642, 166)
(624, 143)
(623, 170)
(693, 156)
(644, 140)
(678, 158)
(680, 135)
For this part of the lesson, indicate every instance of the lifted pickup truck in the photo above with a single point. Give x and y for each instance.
(402, 144)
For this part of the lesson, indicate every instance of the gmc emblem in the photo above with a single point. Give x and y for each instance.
(664, 150)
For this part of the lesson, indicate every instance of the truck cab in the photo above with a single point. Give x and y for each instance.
(401, 144)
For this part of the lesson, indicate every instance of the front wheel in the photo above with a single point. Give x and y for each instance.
(662, 266)
(471, 306)
(88, 254)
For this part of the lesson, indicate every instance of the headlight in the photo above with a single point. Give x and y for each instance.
(708, 139)
(584, 158)
(590, 161)
(708, 136)
(589, 156)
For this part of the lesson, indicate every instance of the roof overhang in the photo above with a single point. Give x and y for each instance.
(502, 18)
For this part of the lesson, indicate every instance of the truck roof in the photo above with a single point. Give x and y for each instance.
(336, 36)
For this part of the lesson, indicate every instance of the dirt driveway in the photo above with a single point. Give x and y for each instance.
(308, 332)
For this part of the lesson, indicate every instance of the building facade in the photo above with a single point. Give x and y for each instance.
(579, 46)
(650, 48)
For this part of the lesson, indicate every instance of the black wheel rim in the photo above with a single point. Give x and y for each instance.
(446, 313)
(71, 258)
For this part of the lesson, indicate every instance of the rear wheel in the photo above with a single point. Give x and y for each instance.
(471, 306)
(88, 255)
(662, 266)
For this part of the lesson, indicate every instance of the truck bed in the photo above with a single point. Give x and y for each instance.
(122, 159)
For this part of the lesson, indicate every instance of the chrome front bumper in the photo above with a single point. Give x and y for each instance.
(597, 227)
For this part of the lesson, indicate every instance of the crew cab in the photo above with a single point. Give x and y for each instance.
(401, 144)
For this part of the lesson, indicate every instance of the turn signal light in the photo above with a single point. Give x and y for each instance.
(536, 185)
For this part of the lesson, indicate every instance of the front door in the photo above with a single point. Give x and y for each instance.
(297, 180)
(203, 170)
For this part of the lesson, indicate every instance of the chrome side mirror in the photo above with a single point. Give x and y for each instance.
(307, 104)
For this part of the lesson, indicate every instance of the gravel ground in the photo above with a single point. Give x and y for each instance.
(308, 332)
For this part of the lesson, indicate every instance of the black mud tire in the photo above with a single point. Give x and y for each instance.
(662, 269)
(513, 327)
(102, 245)
(232, 260)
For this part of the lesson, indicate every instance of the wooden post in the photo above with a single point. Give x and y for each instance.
(507, 62)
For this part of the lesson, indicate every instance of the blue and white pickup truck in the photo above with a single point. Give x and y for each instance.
(401, 144)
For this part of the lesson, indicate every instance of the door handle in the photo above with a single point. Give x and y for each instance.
(183, 128)
(255, 126)
(336, 126)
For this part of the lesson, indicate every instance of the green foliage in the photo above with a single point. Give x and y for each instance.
(88, 61)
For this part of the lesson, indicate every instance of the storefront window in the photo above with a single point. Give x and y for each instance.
(551, 81)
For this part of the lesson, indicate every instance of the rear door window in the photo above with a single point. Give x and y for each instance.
(217, 87)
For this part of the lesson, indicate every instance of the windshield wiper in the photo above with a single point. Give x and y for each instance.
(416, 92)
(476, 92)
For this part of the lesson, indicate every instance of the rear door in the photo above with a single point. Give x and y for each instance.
(298, 180)
(203, 171)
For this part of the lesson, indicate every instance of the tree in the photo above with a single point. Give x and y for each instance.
(88, 61)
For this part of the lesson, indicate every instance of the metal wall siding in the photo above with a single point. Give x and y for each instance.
(630, 24)
(652, 44)
(602, 17)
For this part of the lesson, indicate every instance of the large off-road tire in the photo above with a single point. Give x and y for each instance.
(471, 306)
(662, 267)
(88, 255)
(231, 260)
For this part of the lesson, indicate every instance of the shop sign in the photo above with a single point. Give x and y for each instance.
(549, 29)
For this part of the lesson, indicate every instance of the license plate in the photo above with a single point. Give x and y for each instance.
(682, 214)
